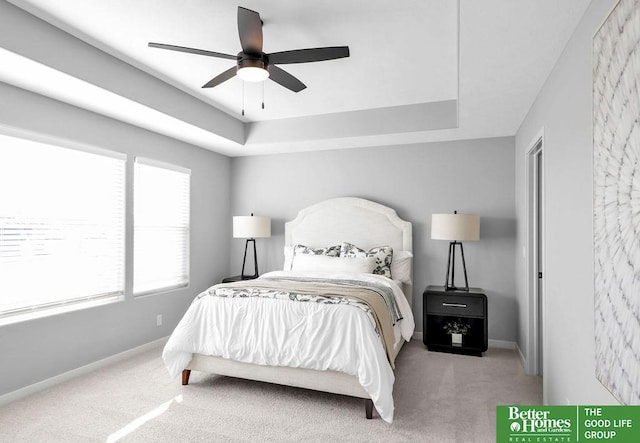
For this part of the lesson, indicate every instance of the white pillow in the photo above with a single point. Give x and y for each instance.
(401, 266)
(293, 250)
(324, 263)
(288, 257)
(382, 254)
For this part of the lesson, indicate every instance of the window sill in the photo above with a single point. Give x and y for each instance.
(37, 314)
(157, 291)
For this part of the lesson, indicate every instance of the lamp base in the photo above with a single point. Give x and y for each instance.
(451, 269)
(244, 276)
(236, 278)
(455, 288)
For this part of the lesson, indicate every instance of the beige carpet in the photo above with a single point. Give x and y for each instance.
(439, 397)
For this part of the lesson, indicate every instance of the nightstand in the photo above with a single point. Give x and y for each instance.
(237, 278)
(463, 312)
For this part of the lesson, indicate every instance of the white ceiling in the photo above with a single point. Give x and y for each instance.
(405, 59)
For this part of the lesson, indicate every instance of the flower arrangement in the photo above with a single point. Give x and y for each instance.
(456, 327)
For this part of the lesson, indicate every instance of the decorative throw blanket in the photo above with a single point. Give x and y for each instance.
(368, 298)
(385, 291)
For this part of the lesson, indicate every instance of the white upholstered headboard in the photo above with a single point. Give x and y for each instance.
(361, 222)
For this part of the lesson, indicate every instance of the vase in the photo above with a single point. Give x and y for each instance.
(456, 339)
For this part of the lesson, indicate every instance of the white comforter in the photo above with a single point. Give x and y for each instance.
(289, 333)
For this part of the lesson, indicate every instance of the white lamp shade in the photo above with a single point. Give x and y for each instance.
(251, 226)
(455, 227)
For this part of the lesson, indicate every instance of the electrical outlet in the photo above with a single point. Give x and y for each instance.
(159, 320)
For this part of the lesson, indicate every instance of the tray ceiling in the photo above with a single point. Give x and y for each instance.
(419, 70)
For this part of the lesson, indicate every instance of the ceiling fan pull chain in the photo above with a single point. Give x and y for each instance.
(243, 98)
(262, 95)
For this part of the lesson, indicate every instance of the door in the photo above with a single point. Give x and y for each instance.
(535, 259)
(538, 254)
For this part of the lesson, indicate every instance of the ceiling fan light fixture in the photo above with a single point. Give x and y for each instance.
(253, 74)
(252, 69)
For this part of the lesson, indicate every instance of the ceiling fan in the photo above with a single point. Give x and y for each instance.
(254, 65)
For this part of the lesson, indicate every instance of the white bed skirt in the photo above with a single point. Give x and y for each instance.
(325, 381)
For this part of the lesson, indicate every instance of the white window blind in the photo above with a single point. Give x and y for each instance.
(61, 226)
(161, 226)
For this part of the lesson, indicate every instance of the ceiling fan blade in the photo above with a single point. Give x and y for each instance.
(283, 78)
(309, 55)
(250, 30)
(192, 50)
(226, 75)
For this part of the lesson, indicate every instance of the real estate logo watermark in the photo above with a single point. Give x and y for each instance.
(537, 423)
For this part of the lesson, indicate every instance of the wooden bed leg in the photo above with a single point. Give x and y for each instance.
(185, 376)
(368, 407)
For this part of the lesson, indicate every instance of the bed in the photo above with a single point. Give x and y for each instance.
(356, 351)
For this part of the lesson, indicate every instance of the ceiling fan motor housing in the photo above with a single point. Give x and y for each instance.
(252, 60)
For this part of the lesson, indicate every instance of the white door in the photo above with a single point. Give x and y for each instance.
(535, 272)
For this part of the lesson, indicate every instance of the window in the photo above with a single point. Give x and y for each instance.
(61, 226)
(161, 226)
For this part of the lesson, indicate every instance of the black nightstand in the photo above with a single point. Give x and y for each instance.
(236, 278)
(445, 311)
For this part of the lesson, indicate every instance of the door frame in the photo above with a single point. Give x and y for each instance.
(534, 285)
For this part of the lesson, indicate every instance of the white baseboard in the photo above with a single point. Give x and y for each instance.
(526, 364)
(502, 344)
(66, 376)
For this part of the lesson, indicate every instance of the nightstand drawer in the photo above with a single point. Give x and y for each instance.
(455, 305)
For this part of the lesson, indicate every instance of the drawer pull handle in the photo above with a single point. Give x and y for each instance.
(454, 305)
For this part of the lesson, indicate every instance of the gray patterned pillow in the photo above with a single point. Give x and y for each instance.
(383, 256)
(331, 251)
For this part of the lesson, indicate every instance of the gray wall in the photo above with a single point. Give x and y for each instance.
(563, 110)
(475, 176)
(35, 350)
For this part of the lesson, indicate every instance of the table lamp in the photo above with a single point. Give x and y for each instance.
(455, 228)
(251, 227)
